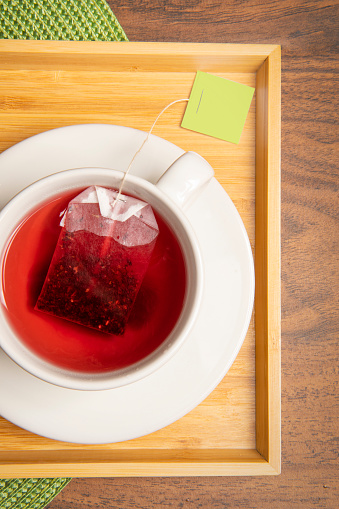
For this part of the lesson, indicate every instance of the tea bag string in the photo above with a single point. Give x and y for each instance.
(141, 146)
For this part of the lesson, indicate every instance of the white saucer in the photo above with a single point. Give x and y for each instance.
(140, 408)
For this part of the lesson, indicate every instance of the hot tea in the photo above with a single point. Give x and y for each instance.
(156, 310)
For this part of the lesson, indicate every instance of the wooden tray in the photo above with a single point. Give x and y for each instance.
(43, 85)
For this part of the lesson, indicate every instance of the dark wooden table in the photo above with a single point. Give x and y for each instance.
(306, 30)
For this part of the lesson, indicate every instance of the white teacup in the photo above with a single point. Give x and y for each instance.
(179, 185)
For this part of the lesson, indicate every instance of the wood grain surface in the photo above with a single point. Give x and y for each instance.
(47, 84)
(307, 32)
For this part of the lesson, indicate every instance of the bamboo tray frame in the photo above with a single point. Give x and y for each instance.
(47, 84)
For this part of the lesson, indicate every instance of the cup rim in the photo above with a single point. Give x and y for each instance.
(76, 179)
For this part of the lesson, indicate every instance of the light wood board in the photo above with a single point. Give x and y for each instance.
(44, 85)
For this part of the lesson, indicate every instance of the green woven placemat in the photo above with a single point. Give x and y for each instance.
(77, 20)
(29, 493)
(67, 20)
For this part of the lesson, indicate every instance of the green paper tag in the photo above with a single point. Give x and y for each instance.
(217, 107)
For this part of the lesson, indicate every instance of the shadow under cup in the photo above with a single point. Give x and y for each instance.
(163, 314)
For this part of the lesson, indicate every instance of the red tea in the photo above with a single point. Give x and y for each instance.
(156, 310)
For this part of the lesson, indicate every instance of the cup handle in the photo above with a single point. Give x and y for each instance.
(185, 178)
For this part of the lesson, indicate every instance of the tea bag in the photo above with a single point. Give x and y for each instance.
(100, 260)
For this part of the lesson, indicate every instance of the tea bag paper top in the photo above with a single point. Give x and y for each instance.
(129, 221)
